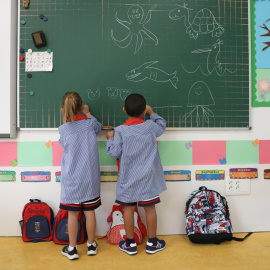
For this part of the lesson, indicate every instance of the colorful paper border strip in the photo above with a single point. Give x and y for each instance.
(244, 173)
(206, 175)
(7, 176)
(177, 175)
(35, 176)
(231, 152)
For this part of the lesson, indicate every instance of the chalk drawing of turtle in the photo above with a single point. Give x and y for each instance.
(203, 23)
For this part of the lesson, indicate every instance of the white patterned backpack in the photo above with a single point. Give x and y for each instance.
(208, 218)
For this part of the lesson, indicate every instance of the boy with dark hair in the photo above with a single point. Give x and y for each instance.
(141, 177)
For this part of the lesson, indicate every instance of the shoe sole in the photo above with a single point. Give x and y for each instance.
(154, 251)
(129, 253)
(92, 253)
(73, 257)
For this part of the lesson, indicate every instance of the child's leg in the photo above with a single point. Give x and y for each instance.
(129, 220)
(129, 246)
(151, 220)
(153, 244)
(90, 225)
(73, 227)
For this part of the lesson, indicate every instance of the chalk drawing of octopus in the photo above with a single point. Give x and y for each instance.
(212, 62)
(203, 23)
(199, 98)
(136, 27)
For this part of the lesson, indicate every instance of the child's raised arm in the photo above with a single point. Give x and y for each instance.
(114, 144)
(96, 125)
(161, 123)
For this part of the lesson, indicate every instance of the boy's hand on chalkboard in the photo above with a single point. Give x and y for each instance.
(109, 135)
(86, 110)
(149, 110)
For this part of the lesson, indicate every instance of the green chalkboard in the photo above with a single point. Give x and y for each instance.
(190, 59)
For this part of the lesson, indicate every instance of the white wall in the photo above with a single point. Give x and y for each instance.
(248, 212)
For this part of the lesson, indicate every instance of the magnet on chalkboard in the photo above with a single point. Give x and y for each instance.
(26, 3)
(39, 39)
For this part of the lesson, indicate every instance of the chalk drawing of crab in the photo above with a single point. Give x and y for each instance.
(136, 27)
(203, 23)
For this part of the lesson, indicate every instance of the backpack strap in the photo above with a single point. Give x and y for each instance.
(241, 239)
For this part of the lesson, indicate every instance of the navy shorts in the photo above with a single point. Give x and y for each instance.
(85, 206)
(144, 203)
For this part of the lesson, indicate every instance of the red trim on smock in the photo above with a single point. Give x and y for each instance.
(78, 117)
(134, 121)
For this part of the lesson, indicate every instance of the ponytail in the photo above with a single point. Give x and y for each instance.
(71, 105)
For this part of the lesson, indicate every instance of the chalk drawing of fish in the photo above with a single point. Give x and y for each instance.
(147, 71)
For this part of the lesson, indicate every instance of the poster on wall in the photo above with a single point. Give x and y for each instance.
(260, 48)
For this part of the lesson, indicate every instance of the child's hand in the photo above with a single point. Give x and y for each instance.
(149, 110)
(86, 110)
(109, 135)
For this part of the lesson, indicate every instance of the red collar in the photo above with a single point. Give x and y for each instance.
(78, 117)
(134, 121)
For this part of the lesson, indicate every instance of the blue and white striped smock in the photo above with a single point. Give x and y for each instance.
(80, 173)
(141, 175)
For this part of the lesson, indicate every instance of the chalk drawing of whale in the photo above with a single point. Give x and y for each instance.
(146, 71)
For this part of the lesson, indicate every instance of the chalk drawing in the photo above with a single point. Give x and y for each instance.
(124, 93)
(199, 99)
(115, 92)
(146, 71)
(94, 93)
(204, 21)
(212, 61)
(136, 27)
(112, 92)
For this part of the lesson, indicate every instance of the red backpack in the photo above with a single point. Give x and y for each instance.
(36, 224)
(60, 228)
(117, 231)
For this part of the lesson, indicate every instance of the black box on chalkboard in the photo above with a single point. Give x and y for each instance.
(39, 39)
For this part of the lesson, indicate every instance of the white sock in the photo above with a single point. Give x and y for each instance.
(94, 244)
(71, 248)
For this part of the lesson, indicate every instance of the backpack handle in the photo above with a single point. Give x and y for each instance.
(35, 200)
(203, 188)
